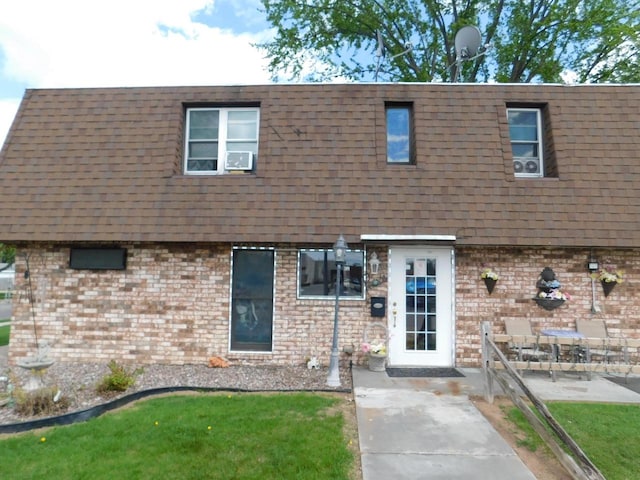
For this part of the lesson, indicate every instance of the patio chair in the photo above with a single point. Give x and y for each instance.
(523, 351)
(597, 329)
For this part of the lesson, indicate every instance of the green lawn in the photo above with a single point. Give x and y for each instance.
(4, 335)
(608, 433)
(224, 436)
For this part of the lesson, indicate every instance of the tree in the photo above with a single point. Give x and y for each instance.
(7, 255)
(531, 40)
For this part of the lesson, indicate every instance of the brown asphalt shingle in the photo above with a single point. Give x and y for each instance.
(105, 165)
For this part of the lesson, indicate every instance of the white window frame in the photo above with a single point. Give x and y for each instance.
(540, 157)
(222, 138)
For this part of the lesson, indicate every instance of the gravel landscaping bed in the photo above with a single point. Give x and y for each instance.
(77, 382)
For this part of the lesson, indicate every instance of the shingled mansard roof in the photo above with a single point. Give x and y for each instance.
(105, 165)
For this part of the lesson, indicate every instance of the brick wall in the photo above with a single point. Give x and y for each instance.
(519, 270)
(171, 304)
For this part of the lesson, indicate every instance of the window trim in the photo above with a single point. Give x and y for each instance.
(540, 135)
(332, 296)
(223, 122)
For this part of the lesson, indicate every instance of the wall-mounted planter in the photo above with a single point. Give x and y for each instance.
(549, 303)
(607, 287)
(490, 283)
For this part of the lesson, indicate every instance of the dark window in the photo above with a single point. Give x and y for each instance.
(317, 274)
(252, 300)
(98, 258)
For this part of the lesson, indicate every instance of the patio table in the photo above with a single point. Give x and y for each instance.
(557, 332)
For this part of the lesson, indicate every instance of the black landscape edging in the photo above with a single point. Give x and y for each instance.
(93, 412)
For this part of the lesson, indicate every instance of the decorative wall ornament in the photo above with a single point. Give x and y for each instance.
(549, 295)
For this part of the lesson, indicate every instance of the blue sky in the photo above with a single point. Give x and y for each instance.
(92, 43)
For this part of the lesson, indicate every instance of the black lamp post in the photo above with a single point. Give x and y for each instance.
(340, 253)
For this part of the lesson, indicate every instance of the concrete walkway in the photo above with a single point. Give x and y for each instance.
(415, 428)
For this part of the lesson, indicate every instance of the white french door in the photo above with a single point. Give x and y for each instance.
(420, 312)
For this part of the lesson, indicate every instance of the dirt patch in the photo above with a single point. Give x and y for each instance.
(347, 406)
(542, 463)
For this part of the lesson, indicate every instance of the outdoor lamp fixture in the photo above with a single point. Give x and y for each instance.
(593, 267)
(374, 263)
(340, 253)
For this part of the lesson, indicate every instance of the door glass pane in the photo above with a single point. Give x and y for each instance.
(420, 303)
(411, 301)
(420, 299)
(252, 300)
(411, 341)
(410, 323)
(431, 322)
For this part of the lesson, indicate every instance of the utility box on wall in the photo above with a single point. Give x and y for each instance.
(378, 306)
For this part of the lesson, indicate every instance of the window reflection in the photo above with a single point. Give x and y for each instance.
(317, 274)
(399, 140)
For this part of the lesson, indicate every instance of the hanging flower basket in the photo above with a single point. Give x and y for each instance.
(609, 277)
(549, 303)
(607, 287)
(490, 279)
(490, 283)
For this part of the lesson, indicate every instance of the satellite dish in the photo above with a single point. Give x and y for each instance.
(468, 41)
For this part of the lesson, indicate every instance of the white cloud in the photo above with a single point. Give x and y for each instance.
(87, 43)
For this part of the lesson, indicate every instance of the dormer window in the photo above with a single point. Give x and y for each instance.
(221, 140)
(400, 137)
(525, 131)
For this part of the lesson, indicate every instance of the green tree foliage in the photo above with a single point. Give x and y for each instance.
(531, 40)
(7, 255)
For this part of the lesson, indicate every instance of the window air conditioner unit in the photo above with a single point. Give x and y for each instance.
(526, 166)
(239, 160)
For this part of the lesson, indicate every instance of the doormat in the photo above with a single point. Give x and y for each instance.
(423, 372)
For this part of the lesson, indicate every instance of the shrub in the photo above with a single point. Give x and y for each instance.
(44, 401)
(119, 380)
